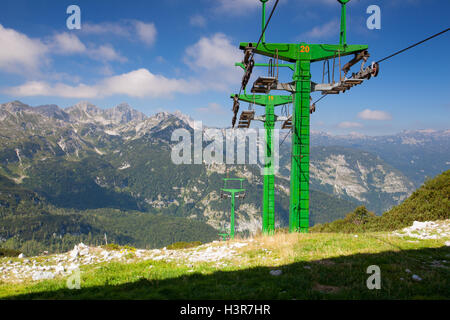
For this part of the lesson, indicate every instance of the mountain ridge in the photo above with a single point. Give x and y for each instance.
(124, 152)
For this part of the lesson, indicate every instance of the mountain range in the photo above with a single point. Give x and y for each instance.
(87, 158)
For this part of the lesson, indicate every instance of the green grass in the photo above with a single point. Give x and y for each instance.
(183, 245)
(314, 266)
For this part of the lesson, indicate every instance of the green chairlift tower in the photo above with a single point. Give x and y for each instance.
(298, 57)
(231, 191)
(269, 119)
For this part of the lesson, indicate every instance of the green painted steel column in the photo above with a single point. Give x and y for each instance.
(343, 33)
(263, 39)
(269, 102)
(299, 209)
(269, 177)
(232, 216)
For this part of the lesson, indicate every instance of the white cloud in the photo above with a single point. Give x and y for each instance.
(211, 53)
(25, 55)
(20, 53)
(213, 107)
(104, 28)
(197, 20)
(66, 43)
(347, 125)
(42, 88)
(146, 32)
(213, 58)
(237, 6)
(105, 53)
(138, 83)
(326, 30)
(106, 70)
(368, 114)
(142, 83)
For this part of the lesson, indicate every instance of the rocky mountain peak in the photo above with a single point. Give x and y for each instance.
(52, 111)
(86, 107)
(15, 106)
(123, 113)
(185, 118)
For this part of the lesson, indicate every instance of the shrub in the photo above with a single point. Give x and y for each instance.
(8, 252)
(428, 203)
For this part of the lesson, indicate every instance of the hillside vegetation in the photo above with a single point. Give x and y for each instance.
(319, 265)
(283, 266)
(428, 203)
(29, 224)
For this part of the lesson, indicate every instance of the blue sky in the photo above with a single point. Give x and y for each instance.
(179, 55)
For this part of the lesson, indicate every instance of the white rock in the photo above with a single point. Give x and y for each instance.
(276, 272)
(39, 275)
(74, 253)
(356, 236)
(82, 246)
(416, 277)
(447, 243)
(88, 260)
(73, 266)
(21, 256)
(59, 269)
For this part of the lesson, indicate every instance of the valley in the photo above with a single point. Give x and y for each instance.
(116, 162)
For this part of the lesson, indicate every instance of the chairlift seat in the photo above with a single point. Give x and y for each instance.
(245, 118)
(330, 92)
(247, 115)
(287, 124)
(354, 81)
(264, 84)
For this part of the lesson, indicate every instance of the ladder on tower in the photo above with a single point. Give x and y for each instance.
(271, 217)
